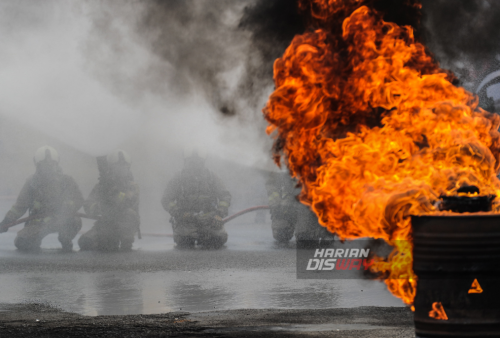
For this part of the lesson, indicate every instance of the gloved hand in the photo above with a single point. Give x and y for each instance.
(206, 218)
(211, 219)
(124, 198)
(218, 223)
(3, 226)
(222, 211)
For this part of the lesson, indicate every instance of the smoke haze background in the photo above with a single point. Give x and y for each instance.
(152, 77)
(80, 78)
(464, 37)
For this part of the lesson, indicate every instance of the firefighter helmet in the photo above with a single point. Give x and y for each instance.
(119, 156)
(44, 153)
(194, 152)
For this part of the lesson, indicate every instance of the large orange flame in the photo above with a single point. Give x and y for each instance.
(375, 130)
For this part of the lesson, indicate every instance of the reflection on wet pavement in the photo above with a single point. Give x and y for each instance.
(106, 293)
(251, 273)
(313, 296)
(194, 296)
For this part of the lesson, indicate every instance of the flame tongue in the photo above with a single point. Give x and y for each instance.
(375, 131)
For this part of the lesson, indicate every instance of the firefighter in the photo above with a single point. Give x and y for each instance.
(197, 200)
(52, 200)
(282, 195)
(289, 216)
(115, 201)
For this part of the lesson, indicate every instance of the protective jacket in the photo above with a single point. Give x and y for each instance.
(203, 192)
(282, 195)
(111, 199)
(117, 206)
(57, 197)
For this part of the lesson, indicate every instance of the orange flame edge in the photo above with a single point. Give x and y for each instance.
(375, 131)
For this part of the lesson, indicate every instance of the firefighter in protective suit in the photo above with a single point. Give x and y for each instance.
(52, 196)
(289, 216)
(197, 200)
(115, 201)
(281, 192)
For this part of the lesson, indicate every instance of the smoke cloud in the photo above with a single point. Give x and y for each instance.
(154, 76)
(223, 50)
(190, 48)
(89, 77)
(463, 37)
(461, 34)
(458, 30)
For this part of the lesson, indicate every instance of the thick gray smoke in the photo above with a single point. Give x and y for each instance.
(463, 35)
(272, 26)
(88, 77)
(223, 50)
(154, 76)
(193, 47)
(193, 61)
(462, 29)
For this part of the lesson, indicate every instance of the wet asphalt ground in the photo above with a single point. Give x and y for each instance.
(251, 280)
(39, 320)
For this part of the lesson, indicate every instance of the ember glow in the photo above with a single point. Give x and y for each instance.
(375, 130)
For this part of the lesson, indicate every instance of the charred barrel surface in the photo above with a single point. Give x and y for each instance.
(456, 259)
(468, 200)
(467, 204)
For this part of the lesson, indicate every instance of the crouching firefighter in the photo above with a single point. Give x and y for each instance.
(115, 202)
(52, 200)
(197, 200)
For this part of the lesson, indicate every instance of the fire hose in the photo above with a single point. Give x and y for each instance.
(244, 211)
(30, 218)
(79, 214)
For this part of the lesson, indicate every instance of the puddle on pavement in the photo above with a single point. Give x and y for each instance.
(119, 293)
(123, 292)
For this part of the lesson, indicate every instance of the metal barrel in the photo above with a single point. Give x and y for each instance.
(457, 261)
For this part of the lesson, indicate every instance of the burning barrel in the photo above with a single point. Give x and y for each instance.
(457, 261)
